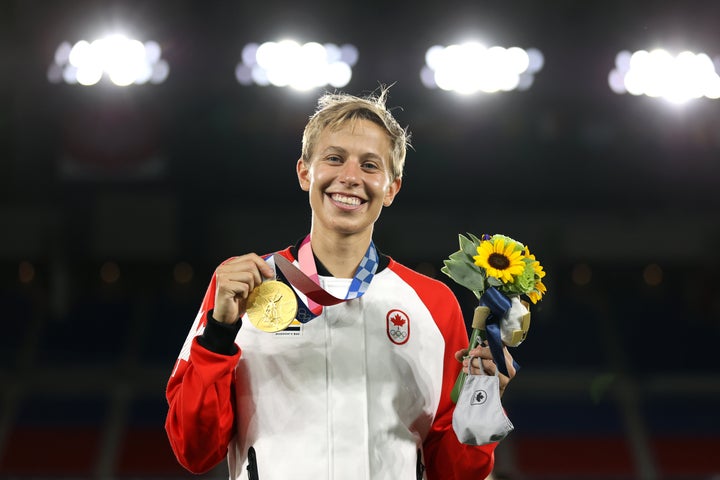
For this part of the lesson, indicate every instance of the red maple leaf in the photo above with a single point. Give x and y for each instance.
(397, 320)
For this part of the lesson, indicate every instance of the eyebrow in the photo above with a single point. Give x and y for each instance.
(332, 148)
(336, 149)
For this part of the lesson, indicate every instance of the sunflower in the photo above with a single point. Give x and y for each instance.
(537, 268)
(499, 260)
(536, 294)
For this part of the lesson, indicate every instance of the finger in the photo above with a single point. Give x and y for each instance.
(262, 266)
(466, 365)
(481, 351)
(256, 266)
(249, 262)
(510, 363)
(477, 365)
(237, 282)
(231, 300)
(470, 366)
(488, 367)
(461, 354)
(239, 289)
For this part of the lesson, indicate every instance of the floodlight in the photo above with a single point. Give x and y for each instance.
(658, 73)
(288, 63)
(121, 60)
(471, 67)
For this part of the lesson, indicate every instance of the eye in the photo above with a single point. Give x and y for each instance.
(370, 166)
(334, 159)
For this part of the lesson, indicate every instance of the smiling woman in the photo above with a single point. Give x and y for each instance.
(349, 180)
(370, 337)
(620, 191)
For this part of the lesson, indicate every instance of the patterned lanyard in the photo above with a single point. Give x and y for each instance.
(306, 279)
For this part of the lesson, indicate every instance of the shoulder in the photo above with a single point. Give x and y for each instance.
(438, 298)
(424, 285)
(288, 252)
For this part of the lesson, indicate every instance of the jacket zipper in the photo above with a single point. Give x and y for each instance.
(252, 465)
(420, 469)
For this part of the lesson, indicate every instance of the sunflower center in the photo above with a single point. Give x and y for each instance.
(498, 261)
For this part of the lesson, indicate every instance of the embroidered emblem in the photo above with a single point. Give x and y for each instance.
(398, 326)
(479, 397)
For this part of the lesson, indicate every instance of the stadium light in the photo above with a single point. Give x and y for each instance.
(302, 67)
(471, 67)
(658, 73)
(123, 61)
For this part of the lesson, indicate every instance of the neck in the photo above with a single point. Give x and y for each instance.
(340, 254)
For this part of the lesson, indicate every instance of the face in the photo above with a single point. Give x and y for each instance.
(348, 178)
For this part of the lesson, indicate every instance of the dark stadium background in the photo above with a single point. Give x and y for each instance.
(116, 205)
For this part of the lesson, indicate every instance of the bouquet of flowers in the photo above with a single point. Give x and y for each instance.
(496, 261)
(498, 270)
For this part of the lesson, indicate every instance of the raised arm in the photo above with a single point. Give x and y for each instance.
(200, 392)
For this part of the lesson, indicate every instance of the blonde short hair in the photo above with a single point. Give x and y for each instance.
(336, 109)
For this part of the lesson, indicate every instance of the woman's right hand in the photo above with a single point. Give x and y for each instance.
(235, 279)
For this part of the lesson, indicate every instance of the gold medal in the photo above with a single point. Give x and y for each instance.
(271, 306)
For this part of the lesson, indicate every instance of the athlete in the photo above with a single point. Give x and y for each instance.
(357, 386)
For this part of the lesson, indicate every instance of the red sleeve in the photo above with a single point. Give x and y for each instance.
(445, 457)
(200, 395)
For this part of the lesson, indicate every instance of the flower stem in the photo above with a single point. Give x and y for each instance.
(476, 333)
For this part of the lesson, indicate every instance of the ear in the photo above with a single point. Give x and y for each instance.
(303, 174)
(393, 190)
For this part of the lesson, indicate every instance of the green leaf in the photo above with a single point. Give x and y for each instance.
(474, 238)
(460, 256)
(465, 274)
(494, 282)
(510, 289)
(468, 246)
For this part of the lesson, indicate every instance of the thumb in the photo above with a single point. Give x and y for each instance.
(461, 354)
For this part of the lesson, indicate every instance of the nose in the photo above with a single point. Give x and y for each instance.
(350, 173)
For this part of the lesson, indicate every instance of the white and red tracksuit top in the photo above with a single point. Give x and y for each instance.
(356, 393)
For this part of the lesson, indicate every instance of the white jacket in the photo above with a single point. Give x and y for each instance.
(356, 393)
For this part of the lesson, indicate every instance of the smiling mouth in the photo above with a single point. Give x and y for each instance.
(346, 200)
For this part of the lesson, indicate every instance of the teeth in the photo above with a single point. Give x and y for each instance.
(345, 199)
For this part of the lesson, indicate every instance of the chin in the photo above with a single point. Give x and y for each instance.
(348, 228)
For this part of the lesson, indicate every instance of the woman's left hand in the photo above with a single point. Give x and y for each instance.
(483, 359)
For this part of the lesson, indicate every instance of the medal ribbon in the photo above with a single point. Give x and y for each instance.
(498, 304)
(307, 264)
(306, 278)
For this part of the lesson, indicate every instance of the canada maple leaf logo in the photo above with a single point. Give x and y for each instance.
(398, 326)
(397, 320)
